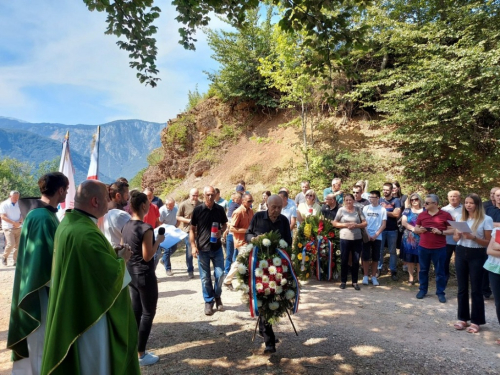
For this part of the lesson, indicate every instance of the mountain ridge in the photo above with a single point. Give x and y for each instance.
(124, 144)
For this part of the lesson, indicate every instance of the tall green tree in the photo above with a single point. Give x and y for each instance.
(287, 69)
(238, 53)
(439, 86)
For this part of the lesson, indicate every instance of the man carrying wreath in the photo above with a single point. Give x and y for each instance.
(264, 222)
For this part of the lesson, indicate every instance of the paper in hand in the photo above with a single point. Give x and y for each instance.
(461, 226)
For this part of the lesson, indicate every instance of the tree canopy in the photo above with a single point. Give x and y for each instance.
(133, 19)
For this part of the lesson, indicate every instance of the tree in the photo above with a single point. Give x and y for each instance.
(440, 87)
(238, 53)
(133, 19)
(287, 70)
(16, 175)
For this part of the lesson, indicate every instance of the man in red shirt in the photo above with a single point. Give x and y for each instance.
(153, 215)
(432, 226)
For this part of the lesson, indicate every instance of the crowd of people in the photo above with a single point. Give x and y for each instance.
(85, 290)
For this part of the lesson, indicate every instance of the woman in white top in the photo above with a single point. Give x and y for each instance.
(310, 207)
(470, 256)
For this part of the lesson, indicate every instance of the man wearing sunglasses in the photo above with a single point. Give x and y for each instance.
(432, 225)
(359, 201)
(392, 206)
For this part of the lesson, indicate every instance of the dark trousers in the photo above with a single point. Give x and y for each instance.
(347, 247)
(450, 249)
(266, 330)
(495, 287)
(144, 295)
(469, 265)
(486, 285)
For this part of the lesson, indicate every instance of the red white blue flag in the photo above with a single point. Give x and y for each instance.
(94, 157)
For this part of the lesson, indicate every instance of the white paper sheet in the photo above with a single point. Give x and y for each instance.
(461, 226)
(173, 235)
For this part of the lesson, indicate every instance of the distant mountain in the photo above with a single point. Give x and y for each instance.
(123, 151)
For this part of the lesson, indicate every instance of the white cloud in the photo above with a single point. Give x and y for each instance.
(56, 43)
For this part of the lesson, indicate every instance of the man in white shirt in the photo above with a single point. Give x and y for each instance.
(289, 210)
(114, 221)
(454, 208)
(376, 218)
(11, 225)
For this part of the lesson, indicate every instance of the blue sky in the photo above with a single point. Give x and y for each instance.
(56, 65)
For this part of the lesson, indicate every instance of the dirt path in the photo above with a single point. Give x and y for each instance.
(378, 330)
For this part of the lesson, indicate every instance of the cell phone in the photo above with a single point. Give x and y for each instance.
(161, 231)
(428, 229)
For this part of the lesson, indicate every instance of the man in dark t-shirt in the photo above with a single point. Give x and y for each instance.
(390, 234)
(330, 208)
(206, 248)
(262, 223)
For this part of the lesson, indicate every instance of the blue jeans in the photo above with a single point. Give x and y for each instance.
(229, 252)
(189, 255)
(210, 292)
(438, 258)
(167, 253)
(391, 237)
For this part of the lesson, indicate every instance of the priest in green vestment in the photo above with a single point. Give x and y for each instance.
(34, 264)
(91, 327)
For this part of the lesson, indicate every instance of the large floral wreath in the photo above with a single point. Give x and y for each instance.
(315, 249)
(269, 285)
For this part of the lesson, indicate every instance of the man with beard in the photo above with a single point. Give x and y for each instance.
(34, 264)
(392, 206)
(113, 222)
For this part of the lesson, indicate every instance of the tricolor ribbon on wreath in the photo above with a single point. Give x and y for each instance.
(318, 260)
(283, 255)
(253, 262)
(303, 266)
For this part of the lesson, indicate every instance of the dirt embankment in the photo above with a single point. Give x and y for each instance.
(264, 149)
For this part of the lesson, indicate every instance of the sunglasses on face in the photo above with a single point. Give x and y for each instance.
(427, 203)
(414, 200)
(310, 195)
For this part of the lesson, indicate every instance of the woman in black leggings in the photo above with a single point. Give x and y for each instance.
(143, 287)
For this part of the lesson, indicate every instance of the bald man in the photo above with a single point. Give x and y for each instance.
(91, 327)
(184, 214)
(207, 247)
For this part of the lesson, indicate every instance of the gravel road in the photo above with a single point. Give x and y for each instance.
(378, 330)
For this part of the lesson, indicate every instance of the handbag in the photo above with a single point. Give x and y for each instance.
(364, 233)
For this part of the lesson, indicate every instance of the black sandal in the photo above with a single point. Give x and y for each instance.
(342, 285)
(356, 286)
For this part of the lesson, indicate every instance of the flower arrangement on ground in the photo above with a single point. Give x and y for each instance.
(267, 279)
(315, 250)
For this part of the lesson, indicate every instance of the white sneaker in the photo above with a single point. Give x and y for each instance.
(148, 359)
(365, 280)
(375, 281)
